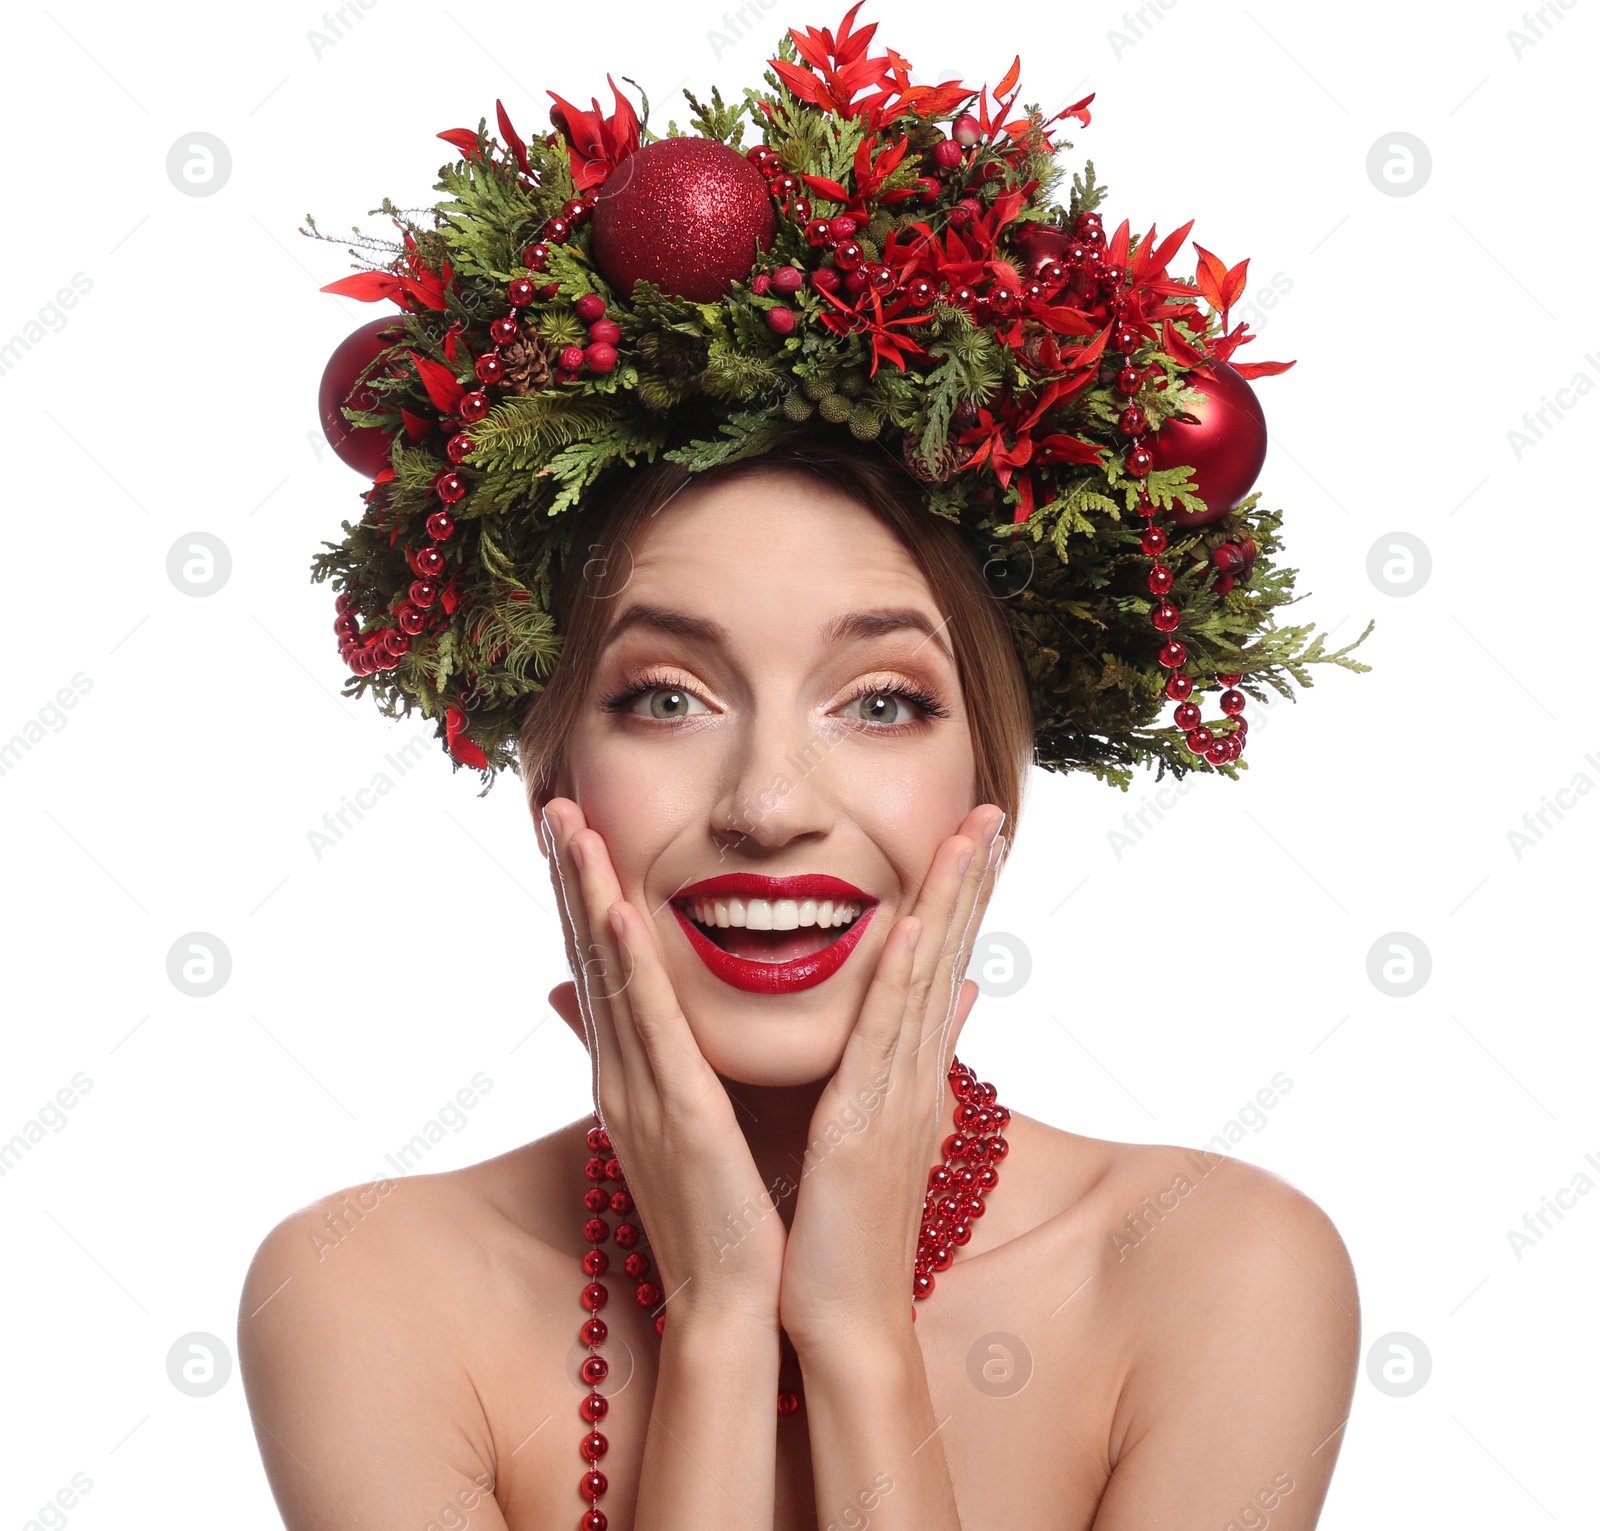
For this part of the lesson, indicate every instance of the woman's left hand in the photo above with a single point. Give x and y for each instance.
(880, 1122)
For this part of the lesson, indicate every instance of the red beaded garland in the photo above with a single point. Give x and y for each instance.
(955, 1195)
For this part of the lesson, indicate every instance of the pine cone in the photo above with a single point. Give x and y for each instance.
(911, 452)
(527, 364)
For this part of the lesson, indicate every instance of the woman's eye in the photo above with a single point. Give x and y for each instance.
(881, 707)
(667, 703)
(896, 707)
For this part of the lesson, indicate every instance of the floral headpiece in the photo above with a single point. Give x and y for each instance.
(882, 259)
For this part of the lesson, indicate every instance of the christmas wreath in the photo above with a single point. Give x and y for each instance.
(881, 258)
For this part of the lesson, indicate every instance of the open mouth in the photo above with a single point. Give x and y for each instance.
(772, 930)
(773, 935)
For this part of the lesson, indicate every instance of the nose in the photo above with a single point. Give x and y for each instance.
(778, 783)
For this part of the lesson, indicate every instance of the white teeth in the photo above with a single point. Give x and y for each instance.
(771, 914)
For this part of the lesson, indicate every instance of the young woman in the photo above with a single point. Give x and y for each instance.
(774, 773)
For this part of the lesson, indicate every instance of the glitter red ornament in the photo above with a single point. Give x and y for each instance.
(686, 214)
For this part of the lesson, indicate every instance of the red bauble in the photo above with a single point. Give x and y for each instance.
(364, 447)
(684, 213)
(1226, 445)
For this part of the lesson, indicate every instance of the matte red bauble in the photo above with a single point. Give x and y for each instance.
(1226, 445)
(364, 447)
(684, 213)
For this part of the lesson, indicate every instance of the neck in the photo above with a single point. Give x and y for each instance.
(777, 1126)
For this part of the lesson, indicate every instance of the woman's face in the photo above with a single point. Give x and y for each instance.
(766, 704)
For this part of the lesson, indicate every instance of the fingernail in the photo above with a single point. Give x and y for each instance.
(963, 862)
(994, 829)
(576, 852)
(614, 917)
(913, 936)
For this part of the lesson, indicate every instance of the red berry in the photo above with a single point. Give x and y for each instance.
(571, 358)
(856, 281)
(606, 330)
(929, 190)
(948, 154)
(825, 279)
(591, 306)
(761, 283)
(787, 279)
(780, 320)
(600, 356)
(842, 227)
(549, 290)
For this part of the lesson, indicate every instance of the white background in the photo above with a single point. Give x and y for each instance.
(1170, 982)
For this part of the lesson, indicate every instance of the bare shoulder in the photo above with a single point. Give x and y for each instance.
(369, 1321)
(1238, 1309)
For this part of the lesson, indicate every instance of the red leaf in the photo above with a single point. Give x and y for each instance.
(383, 475)
(801, 82)
(1210, 274)
(416, 426)
(463, 139)
(468, 753)
(1012, 75)
(1179, 348)
(1117, 250)
(367, 286)
(1169, 247)
(509, 133)
(830, 189)
(443, 389)
(1233, 287)
(1249, 369)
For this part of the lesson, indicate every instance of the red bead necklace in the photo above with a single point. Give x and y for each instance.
(956, 1189)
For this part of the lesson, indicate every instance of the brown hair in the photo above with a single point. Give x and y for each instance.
(993, 685)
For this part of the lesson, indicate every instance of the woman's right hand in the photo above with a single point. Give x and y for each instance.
(667, 1113)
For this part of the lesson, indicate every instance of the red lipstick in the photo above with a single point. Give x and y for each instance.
(774, 977)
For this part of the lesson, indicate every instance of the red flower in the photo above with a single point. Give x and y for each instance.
(886, 345)
(841, 69)
(596, 145)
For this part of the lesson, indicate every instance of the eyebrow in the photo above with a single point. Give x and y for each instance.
(853, 626)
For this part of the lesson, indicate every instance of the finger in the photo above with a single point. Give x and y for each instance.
(976, 890)
(608, 971)
(874, 1038)
(952, 886)
(586, 955)
(552, 834)
(679, 1068)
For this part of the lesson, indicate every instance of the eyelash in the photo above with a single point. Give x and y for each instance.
(655, 680)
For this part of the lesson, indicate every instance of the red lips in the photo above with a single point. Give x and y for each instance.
(774, 977)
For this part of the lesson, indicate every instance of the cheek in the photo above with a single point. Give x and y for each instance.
(910, 804)
(639, 801)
